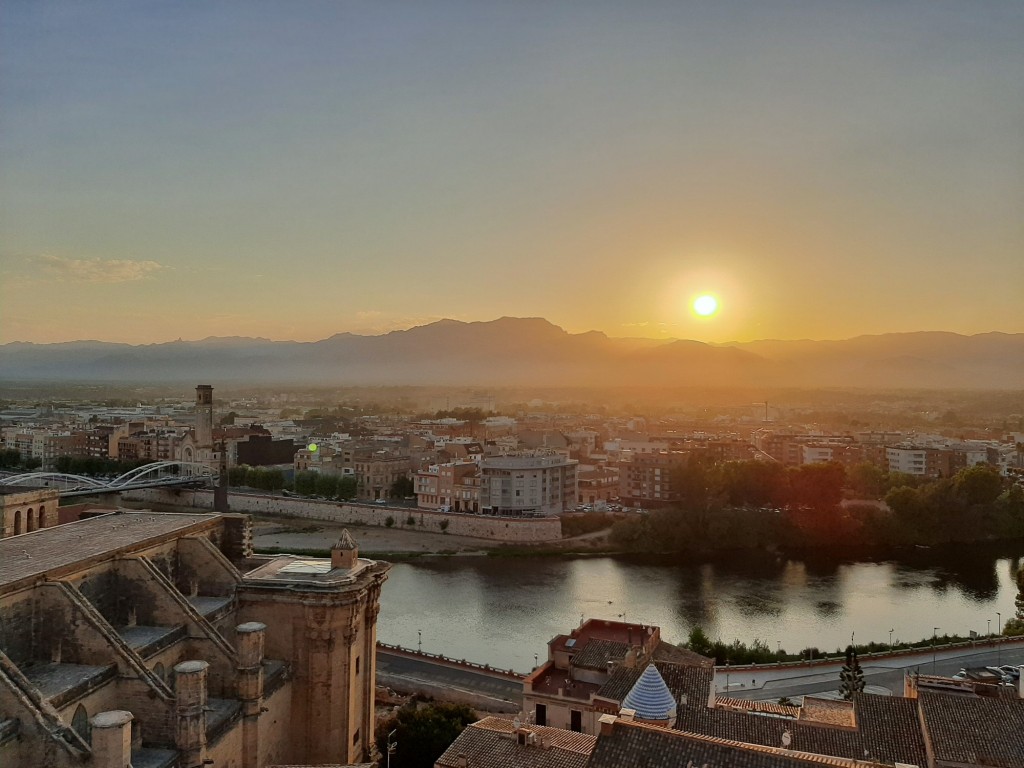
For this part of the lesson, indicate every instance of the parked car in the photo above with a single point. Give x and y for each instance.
(1012, 671)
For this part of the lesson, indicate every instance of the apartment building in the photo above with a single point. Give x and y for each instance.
(527, 486)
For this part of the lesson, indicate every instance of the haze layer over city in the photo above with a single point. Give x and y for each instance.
(465, 384)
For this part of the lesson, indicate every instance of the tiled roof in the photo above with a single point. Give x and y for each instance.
(887, 730)
(890, 728)
(634, 745)
(977, 731)
(649, 697)
(681, 679)
(492, 743)
(697, 717)
(767, 707)
(34, 554)
(828, 711)
(673, 653)
(597, 653)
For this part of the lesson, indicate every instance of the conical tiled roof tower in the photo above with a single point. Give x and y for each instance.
(651, 698)
(345, 553)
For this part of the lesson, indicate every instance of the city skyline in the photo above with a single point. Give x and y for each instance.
(824, 170)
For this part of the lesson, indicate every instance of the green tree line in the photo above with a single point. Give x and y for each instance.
(11, 458)
(95, 465)
(747, 505)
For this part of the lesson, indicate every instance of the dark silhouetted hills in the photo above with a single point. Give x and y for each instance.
(532, 351)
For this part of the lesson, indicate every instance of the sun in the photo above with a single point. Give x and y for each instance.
(705, 305)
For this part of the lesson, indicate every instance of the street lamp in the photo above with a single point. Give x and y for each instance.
(391, 746)
(890, 639)
(536, 661)
(934, 652)
(988, 628)
(419, 641)
(999, 632)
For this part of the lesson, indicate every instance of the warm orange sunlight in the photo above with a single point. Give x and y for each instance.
(705, 305)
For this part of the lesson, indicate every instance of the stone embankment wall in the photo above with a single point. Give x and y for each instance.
(513, 530)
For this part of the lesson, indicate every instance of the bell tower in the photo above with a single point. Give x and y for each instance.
(204, 418)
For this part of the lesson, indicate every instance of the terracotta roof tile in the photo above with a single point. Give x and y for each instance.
(828, 711)
(977, 731)
(597, 653)
(492, 743)
(635, 745)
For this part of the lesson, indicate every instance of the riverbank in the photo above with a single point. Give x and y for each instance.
(278, 534)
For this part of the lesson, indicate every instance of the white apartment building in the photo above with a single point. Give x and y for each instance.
(910, 461)
(527, 486)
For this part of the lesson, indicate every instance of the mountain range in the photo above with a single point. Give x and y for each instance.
(532, 351)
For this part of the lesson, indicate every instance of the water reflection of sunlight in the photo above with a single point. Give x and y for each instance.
(502, 611)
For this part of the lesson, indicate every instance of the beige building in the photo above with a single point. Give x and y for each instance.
(377, 472)
(26, 509)
(451, 487)
(578, 682)
(527, 486)
(157, 639)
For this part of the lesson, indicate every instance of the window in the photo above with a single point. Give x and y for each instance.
(357, 665)
(355, 737)
(575, 720)
(541, 714)
(80, 723)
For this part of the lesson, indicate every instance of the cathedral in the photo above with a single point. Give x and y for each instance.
(158, 640)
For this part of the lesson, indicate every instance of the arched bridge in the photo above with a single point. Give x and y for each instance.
(156, 474)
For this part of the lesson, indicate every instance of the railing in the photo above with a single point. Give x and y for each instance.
(437, 657)
(840, 657)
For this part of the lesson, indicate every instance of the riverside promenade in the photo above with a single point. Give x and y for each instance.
(457, 680)
(883, 672)
(500, 690)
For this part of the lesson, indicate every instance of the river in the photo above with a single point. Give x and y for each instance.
(502, 611)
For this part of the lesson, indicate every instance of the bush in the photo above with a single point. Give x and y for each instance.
(444, 525)
(389, 522)
(411, 520)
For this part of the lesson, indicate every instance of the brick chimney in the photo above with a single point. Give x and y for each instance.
(607, 724)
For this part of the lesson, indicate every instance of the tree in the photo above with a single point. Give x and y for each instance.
(866, 480)
(980, 484)
(402, 487)
(443, 525)
(348, 486)
(389, 522)
(423, 732)
(819, 486)
(1015, 626)
(305, 483)
(851, 676)
(699, 642)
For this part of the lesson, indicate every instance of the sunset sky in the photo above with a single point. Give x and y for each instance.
(295, 169)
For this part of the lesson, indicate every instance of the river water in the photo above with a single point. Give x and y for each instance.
(502, 611)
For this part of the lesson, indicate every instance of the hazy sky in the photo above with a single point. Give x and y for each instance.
(294, 169)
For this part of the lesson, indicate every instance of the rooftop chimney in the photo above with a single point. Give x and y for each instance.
(607, 724)
(461, 761)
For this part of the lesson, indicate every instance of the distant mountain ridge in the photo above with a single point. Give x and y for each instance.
(524, 351)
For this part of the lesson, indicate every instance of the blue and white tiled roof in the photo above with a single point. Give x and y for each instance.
(650, 697)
